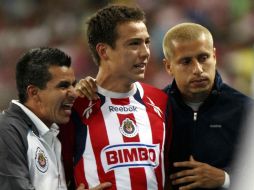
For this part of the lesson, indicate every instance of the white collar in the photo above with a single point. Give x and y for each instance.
(42, 128)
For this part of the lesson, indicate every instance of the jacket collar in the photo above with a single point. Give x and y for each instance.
(173, 91)
(15, 111)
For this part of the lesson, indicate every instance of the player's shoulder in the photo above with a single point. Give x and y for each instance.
(151, 90)
(151, 93)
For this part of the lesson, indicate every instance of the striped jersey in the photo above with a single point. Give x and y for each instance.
(120, 139)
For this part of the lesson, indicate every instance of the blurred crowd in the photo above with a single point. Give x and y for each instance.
(61, 23)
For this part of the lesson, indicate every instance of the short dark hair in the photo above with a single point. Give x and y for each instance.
(102, 26)
(33, 68)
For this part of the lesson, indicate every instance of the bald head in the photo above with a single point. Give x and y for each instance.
(183, 33)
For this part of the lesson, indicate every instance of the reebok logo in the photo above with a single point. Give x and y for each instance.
(122, 109)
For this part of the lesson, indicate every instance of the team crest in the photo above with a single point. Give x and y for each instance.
(41, 161)
(128, 128)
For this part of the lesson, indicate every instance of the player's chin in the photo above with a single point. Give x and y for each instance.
(140, 76)
(200, 90)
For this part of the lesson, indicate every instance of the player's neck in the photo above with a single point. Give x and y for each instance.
(114, 84)
(113, 94)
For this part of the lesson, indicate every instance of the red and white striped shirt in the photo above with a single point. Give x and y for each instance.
(120, 139)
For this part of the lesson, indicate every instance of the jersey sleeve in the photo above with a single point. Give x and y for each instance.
(69, 137)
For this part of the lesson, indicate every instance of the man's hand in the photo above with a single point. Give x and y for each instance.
(200, 175)
(101, 186)
(87, 88)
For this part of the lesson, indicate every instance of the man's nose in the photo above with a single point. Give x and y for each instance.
(197, 67)
(72, 92)
(145, 51)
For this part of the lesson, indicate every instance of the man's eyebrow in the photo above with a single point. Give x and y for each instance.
(204, 53)
(139, 39)
(63, 83)
(134, 39)
(66, 83)
(184, 58)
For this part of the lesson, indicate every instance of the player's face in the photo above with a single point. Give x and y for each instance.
(56, 100)
(129, 58)
(193, 65)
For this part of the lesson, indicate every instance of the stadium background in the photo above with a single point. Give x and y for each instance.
(25, 24)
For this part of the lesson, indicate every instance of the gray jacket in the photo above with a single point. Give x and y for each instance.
(27, 161)
(14, 126)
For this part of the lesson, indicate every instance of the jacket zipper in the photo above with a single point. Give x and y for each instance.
(195, 116)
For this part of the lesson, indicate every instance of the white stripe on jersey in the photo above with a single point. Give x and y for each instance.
(90, 166)
(140, 88)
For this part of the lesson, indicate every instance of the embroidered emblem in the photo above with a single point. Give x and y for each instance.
(41, 161)
(128, 128)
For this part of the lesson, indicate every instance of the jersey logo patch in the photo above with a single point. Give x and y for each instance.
(41, 160)
(130, 155)
(128, 128)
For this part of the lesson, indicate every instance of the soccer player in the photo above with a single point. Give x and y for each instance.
(120, 137)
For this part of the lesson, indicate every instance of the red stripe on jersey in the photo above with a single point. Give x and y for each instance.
(79, 174)
(138, 175)
(101, 141)
(121, 118)
(122, 101)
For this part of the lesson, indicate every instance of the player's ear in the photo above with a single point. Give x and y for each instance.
(101, 49)
(32, 92)
(214, 54)
(167, 65)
